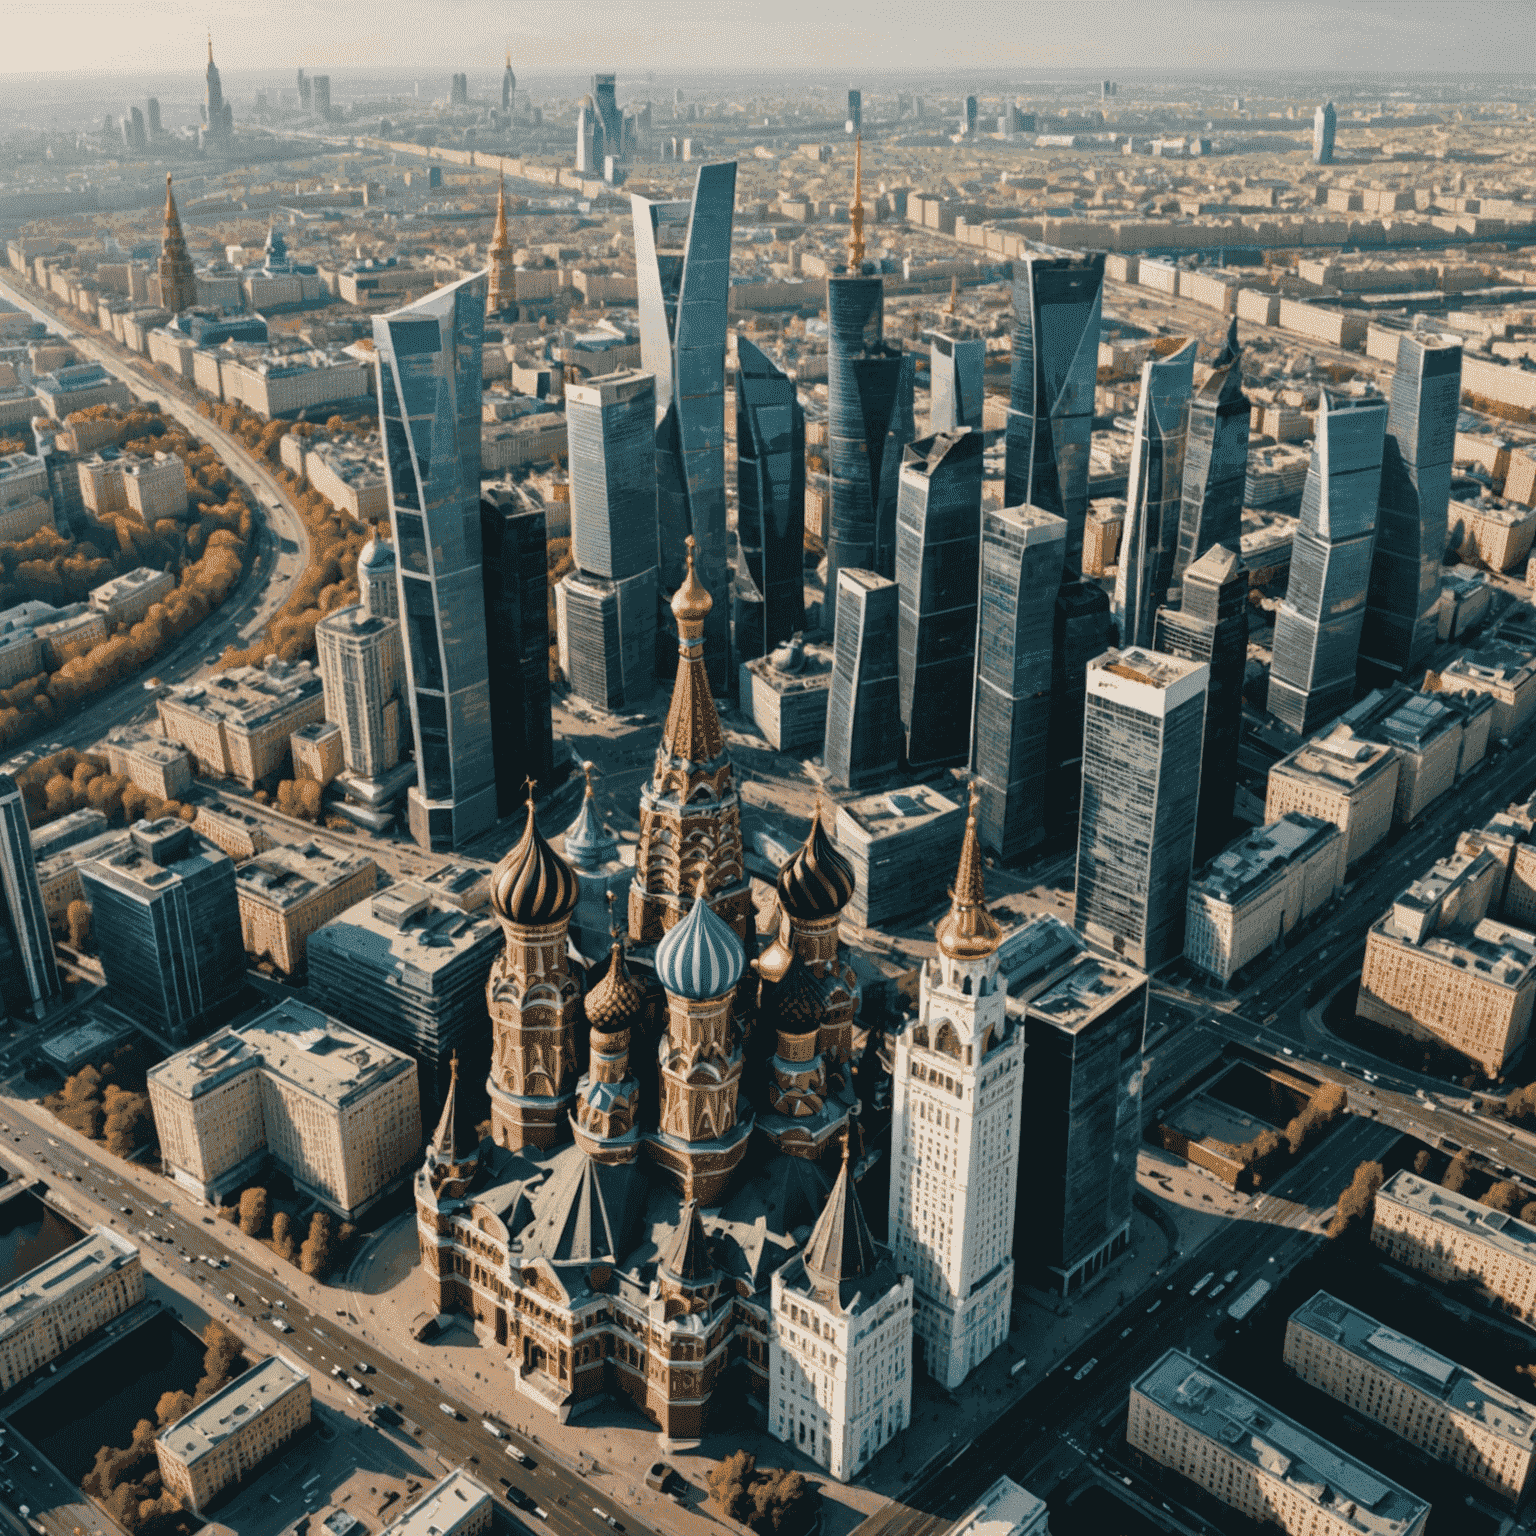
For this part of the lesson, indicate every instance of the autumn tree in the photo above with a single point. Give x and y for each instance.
(282, 1235)
(78, 917)
(318, 1252)
(1357, 1204)
(253, 1212)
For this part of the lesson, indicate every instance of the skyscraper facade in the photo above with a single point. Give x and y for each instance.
(1057, 308)
(1411, 525)
(1081, 628)
(1325, 123)
(958, 1078)
(683, 266)
(508, 84)
(1021, 553)
(320, 95)
(1215, 462)
(938, 544)
(152, 110)
(863, 738)
(32, 977)
(956, 374)
(1142, 731)
(429, 403)
(1317, 630)
(178, 284)
(855, 120)
(770, 494)
(219, 113)
(1152, 493)
(458, 91)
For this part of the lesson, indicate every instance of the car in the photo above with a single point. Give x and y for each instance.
(362, 1367)
(233, 1299)
(521, 1456)
(337, 1371)
(453, 1413)
(1085, 1368)
(494, 1430)
(281, 1303)
(282, 1325)
(127, 1210)
(1125, 1333)
(1155, 1305)
(357, 1386)
(1229, 1277)
(1285, 1050)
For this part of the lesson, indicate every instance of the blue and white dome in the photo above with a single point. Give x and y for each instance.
(700, 957)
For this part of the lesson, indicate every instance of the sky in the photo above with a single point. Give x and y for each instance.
(1394, 37)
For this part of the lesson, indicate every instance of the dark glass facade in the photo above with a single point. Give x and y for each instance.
(770, 501)
(1081, 628)
(1325, 125)
(863, 717)
(31, 978)
(429, 404)
(611, 434)
(938, 547)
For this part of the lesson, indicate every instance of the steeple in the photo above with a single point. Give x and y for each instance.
(588, 843)
(210, 45)
(454, 1152)
(856, 211)
(840, 1252)
(502, 290)
(178, 283)
(692, 733)
(969, 932)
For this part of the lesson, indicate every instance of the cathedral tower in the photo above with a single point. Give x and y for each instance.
(608, 1097)
(502, 293)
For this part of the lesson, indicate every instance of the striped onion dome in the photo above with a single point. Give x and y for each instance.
(700, 957)
(533, 886)
(816, 881)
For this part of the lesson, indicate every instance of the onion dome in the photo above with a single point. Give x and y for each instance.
(615, 1002)
(968, 931)
(588, 843)
(377, 555)
(794, 1005)
(691, 602)
(533, 886)
(700, 957)
(817, 882)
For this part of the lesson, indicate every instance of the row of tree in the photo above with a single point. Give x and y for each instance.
(67, 781)
(110, 1103)
(325, 1243)
(1270, 1151)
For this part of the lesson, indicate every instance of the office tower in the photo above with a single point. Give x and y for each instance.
(1212, 627)
(1107, 90)
(683, 260)
(1083, 1034)
(855, 121)
(32, 978)
(515, 566)
(605, 633)
(304, 90)
(1411, 524)
(320, 95)
(605, 99)
(508, 84)
(968, 123)
(429, 400)
(1057, 304)
(958, 1076)
(137, 137)
(956, 373)
(770, 495)
(167, 924)
(1215, 462)
(938, 545)
(863, 704)
(1317, 630)
(501, 292)
(1325, 122)
(1080, 629)
(219, 112)
(1142, 730)
(178, 283)
(458, 91)
(1152, 493)
(1021, 551)
(153, 109)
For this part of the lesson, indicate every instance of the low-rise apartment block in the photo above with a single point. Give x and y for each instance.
(77, 387)
(1257, 1461)
(157, 766)
(126, 599)
(1497, 537)
(156, 488)
(66, 1299)
(1458, 1418)
(228, 825)
(456, 1506)
(1342, 779)
(1253, 893)
(237, 724)
(1504, 673)
(349, 476)
(336, 1110)
(287, 893)
(58, 873)
(283, 384)
(226, 1436)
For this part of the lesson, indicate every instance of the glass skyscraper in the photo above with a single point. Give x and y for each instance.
(429, 403)
(1317, 630)
(770, 496)
(863, 737)
(1411, 528)
(1325, 124)
(938, 545)
(31, 977)
(683, 269)
(956, 375)
(1151, 534)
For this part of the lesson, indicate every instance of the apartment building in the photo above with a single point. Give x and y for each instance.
(458, 1505)
(147, 759)
(1342, 779)
(126, 599)
(1505, 673)
(156, 488)
(287, 893)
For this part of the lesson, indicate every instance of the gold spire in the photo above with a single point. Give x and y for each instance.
(501, 288)
(509, 56)
(691, 602)
(969, 932)
(856, 210)
(693, 732)
(499, 239)
(178, 282)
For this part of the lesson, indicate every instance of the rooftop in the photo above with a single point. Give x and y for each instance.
(287, 876)
(158, 855)
(442, 1508)
(1508, 1234)
(1089, 985)
(213, 1421)
(1468, 1396)
(1004, 1508)
(1341, 758)
(247, 696)
(894, 811)
(98, 1253)
(1249, 864)
(1252, 1431)
(404, 928)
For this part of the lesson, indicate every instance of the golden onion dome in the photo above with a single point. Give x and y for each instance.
(816, 881)
(691, 602)
(615, 1003)
(533, 886)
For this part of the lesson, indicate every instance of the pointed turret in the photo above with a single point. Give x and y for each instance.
(856, 211)
(502, 290)
(588, 843)
(453, 1154)
(840, 1253)
(687, 1257)
(969, 932)
(178, 283)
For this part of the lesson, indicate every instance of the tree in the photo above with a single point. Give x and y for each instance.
(729, 1484)
(318, 1252)
(774, 1501)
(172, 1406)
(221, 1355)
(1458, 1173)
(1506, 1196)
(1421, 1161)
(1357, 1204)
(78, 916)
(282, 1235)
(253, 1212)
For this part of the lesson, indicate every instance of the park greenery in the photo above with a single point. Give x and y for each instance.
(1271, 1151)
(110, 1103)
(771, 1501)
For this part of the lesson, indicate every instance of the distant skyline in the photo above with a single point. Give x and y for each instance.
(1285, 36)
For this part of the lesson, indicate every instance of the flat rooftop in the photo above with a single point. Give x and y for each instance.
(1088, 986)
(286, 876)
(1499, 1412)
(1263, 855)
(1004, 1508)
(402, 929)
(212, 1422)
(247, 696)
(894, 811)
(442, 1508)
(98, 1253)
(311, 1051)
(1506, 1233)
(1340, 758)
(1250, 1430)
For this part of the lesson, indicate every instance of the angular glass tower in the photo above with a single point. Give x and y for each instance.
(1057, 307)
(30, 976)
(683, 268)
(1152, 493)
(938, 545)
(770, 496)
(1411, 529)
(1325, 124)
(1317, 631)
(956, 372)
(863, 737)
(429, 405)
(869, 422)
(1020, 573)
(1215, 462)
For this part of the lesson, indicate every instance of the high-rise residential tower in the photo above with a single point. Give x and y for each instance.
(1317, 630)
(32, 977)
(1021, 551)
(683, 265)
(1215, 461)
(1325, 124)
(429, 402)
(938, 544)
(863, 738)
(178, 283)
(1152, 493)
(956, 369)
(1142, 733)
(958, 1078)
(770, 494)
(1411, 525)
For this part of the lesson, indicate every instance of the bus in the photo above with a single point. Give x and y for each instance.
(1201, 1283)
